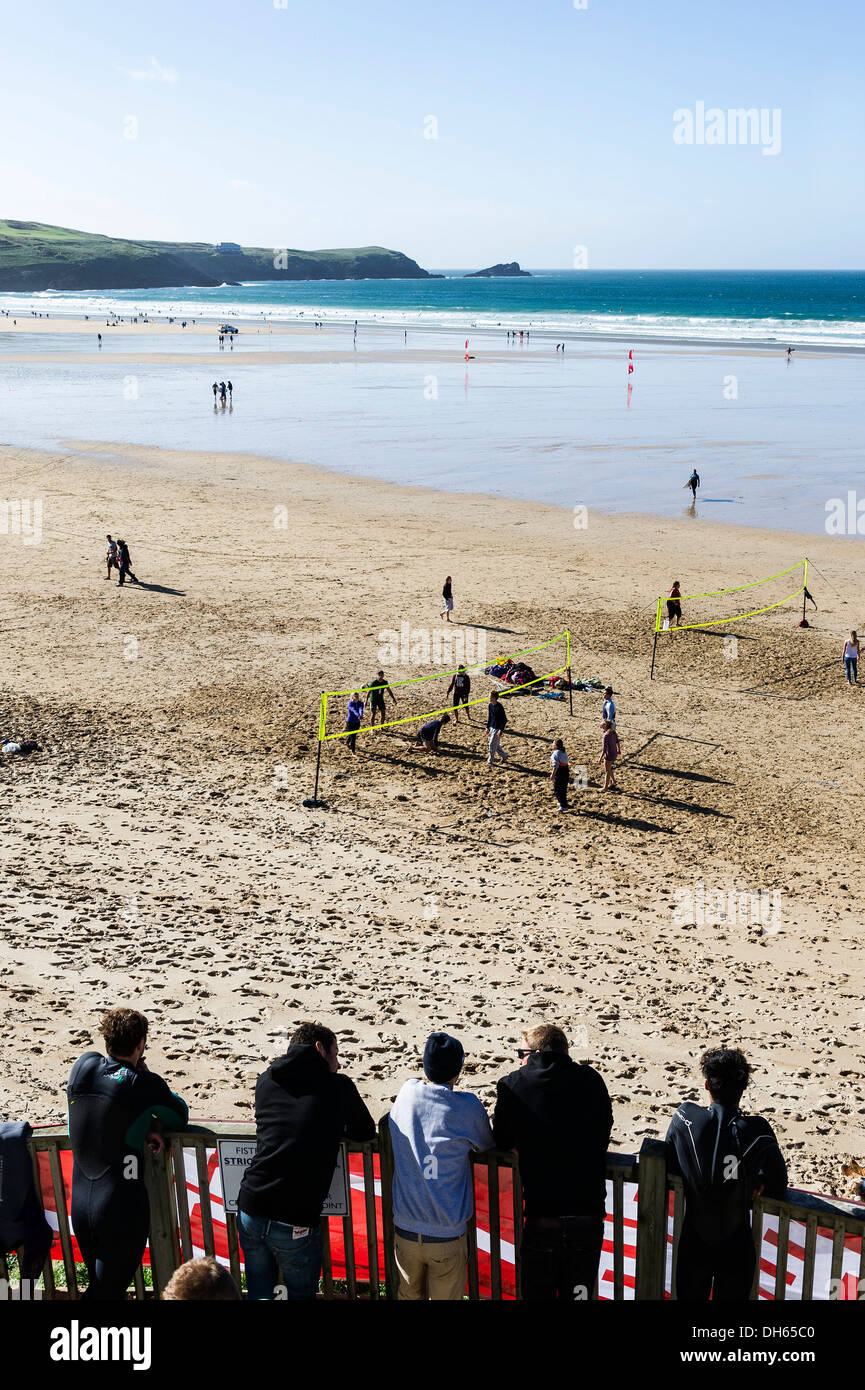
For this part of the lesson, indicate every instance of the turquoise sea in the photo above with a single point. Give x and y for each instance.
(777, 307)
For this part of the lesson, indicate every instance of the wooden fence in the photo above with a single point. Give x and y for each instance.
(359, 1246)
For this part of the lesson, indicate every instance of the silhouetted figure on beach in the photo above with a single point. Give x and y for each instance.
(693, 483)
(230, 389)
(124, 564)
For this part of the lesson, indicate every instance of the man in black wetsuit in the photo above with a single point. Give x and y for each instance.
(725, 1159)
(115, 1106)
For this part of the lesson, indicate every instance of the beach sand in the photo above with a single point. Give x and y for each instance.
(156, 851)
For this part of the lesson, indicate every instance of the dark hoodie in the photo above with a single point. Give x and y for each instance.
(722, 1155)
(556, 1113)
(302, 1111)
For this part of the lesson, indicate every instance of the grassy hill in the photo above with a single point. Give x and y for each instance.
(35, 256)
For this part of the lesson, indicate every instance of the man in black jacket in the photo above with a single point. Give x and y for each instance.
(302, 1111)
(556, 1113)
(725, 1159)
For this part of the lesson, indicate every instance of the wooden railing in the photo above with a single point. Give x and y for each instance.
(367, 1246)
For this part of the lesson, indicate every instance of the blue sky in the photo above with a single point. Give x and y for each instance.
(304, 126)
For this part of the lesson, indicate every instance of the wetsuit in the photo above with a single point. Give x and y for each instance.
(722, 1156)
(111, 1109)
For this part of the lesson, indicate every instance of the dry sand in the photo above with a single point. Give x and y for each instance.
(156, 852)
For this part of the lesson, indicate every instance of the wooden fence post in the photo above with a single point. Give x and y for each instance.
(652, 1210)
(164, 1254)
(385, 1158)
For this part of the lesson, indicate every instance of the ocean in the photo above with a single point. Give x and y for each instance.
(798, 308)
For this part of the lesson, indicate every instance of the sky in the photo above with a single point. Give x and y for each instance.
(462, 133)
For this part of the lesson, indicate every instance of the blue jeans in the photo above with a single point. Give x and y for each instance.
(850, 664)
(269, 1246)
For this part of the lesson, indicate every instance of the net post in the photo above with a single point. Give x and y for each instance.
(313, 801)
(805, 589)
(570, 678)
(655, 643)
(317, 769)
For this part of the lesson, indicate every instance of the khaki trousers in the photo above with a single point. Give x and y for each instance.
(436, 1270)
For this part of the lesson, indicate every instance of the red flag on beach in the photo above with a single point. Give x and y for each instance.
(630, 361)
(467, 349)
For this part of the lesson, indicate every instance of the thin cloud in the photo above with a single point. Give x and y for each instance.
(155, 73)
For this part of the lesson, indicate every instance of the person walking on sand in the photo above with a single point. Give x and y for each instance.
(215, 393)
(222, 393)
(851, 659)
(124, 564)
(111, 556)
(693, 483)
(610, 750)
(560, 774)
(674, 606)
(354, 715)
(230, 390)
(496, 722)
(461, 685)
(447, 595)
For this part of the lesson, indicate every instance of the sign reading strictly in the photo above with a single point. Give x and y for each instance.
(235, 1156)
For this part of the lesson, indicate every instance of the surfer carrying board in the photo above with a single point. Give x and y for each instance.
(693, 483)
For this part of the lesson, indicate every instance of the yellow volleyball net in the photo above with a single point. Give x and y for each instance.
(422, 698)
(688, 612)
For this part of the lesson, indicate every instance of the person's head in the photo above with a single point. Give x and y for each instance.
(727, 1074)
(560, 745)
(545, 1037)
(609, 692)
(125, 1034)
(446, 719)
(319, 1037)
(447, 579)
(201, 1280)
(606, 724)
(443, 1059)
(853, 637)
(494, 698)
(108, 538)
(355, 694)
(462, 668)
(380, 675)
(675, 583)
